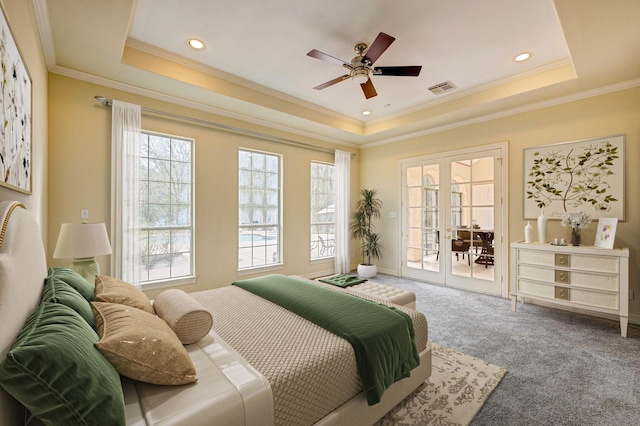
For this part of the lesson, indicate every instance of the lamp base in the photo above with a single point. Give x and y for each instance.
(87, 267)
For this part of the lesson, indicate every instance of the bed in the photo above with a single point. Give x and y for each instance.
(260, 364)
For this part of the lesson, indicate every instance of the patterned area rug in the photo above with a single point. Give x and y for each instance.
(458, 387)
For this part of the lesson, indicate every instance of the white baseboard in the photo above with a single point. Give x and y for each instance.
(392, 272)
(318, 274)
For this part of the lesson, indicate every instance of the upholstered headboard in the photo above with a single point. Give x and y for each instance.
(23, 269)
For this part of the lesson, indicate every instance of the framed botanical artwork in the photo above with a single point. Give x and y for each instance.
(15, 113)
(575, 176)
(606, 233)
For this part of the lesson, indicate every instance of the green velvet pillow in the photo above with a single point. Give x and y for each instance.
(56, 372)
(57, 291)
(75, 280)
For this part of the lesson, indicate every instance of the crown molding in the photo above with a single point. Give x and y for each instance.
(102, 81)
(604, 90)
(46, 34)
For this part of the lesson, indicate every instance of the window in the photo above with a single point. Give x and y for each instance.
(322, 210)
(166, 207)
(259, 209)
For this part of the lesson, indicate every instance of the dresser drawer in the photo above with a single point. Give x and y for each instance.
(594, 281)
(537, 273)
(595, 299)
(536, 257)
(572, 277)
(534, 288)
(606, 264)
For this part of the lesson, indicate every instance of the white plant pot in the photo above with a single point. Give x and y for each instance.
(367, 271)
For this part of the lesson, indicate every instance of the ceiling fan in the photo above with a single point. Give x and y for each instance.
(361, 67)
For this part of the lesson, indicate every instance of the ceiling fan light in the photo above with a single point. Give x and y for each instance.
(360, 75)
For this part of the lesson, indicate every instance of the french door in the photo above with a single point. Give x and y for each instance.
(452, 219)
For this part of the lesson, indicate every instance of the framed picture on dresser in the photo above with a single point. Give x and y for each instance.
(606, 233)
(15, 113)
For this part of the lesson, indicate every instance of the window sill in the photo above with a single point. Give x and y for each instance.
(260, 269)
(155, 285)
(322, 260)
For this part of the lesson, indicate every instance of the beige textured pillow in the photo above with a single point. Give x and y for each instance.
(185, 315)
(113, 290)
(141, 346)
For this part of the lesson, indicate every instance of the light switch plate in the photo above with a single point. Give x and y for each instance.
(84, 213)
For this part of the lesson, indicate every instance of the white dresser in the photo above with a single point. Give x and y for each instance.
(584, 278)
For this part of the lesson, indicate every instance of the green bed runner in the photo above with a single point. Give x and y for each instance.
(382, 336)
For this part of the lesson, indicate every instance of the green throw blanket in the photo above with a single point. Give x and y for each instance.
(382, 336)
(343, 280)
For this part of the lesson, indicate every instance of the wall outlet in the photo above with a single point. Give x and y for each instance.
(630, 294)
(84, 213)
(393, 214)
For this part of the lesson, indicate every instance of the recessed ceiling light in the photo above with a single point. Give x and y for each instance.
(366, 112)
(522, 57)
(195, 43)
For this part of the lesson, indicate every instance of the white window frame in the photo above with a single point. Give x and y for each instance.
(179, 279)
(323, 246)
(264, 237)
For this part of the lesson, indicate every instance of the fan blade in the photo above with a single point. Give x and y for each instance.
(327, 58)
(332, 82)
(409, 71)
(368, 89)
(377, 48)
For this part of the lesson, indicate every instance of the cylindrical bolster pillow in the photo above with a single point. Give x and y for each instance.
(188, 318)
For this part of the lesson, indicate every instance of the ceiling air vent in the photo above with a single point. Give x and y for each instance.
(442, 87)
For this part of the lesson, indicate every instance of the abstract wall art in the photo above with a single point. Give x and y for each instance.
(15, 114)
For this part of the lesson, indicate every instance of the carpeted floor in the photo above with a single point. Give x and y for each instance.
(458, 386)
(564, 368)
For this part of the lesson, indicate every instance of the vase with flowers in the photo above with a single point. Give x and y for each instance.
(578, 221)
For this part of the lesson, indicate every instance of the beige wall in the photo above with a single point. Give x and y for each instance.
(79, 177)
(21, 18)
(607, 115)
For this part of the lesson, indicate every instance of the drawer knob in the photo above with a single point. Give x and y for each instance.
(562, 276)
(562, 260)
(562, 293)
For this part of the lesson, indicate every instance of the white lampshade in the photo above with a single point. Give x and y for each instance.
(81, 242)
(78, 240)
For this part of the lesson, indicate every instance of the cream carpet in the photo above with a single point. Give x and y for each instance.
(458, 387)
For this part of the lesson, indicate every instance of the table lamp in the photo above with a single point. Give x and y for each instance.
(82, 242)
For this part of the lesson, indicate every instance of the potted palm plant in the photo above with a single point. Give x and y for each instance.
(367, 208)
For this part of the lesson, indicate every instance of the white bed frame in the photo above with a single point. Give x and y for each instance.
(225, 378)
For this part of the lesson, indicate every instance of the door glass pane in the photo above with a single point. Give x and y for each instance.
(483, 194)
(461, 171)
(414, 176)
(422, 217)
(431, 246)
(415, 197)
(472, 218)
(482, 169)
(414, 217)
